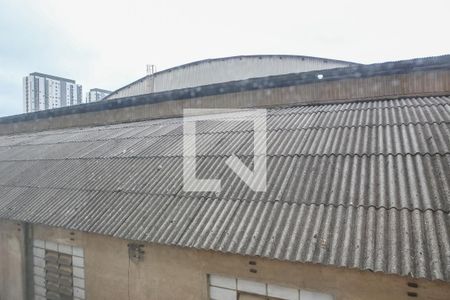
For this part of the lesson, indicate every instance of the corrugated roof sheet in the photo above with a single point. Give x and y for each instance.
(361, 185)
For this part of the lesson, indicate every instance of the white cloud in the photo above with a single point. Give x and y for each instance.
(107, 44)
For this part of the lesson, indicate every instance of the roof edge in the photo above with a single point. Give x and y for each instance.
(52, 77)
(276, 81)
(99, 90)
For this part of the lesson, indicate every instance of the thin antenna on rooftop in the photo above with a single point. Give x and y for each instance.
(151, 69)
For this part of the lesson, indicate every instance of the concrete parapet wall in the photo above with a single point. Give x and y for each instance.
(414, 84)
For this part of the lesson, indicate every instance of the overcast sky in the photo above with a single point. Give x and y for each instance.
(107, 44)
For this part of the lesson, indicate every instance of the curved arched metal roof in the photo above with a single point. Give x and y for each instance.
(225, 69)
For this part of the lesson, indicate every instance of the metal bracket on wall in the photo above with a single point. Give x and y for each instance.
(136, 252)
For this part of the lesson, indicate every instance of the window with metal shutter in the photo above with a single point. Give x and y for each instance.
(58, 271)
(230, 288)
(58, 277)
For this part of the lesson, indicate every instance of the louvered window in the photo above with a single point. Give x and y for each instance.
(230, 288)
(58, 271)
(58, 275)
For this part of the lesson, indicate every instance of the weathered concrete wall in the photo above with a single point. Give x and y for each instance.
(11, 261)
(178, 273)
(414, 84)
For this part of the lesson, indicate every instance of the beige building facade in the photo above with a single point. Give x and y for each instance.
(166, 273)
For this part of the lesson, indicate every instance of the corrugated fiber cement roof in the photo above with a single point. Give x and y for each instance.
(360, 185)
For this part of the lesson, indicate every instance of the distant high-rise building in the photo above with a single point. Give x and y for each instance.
(42, 91)
(96, 95)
